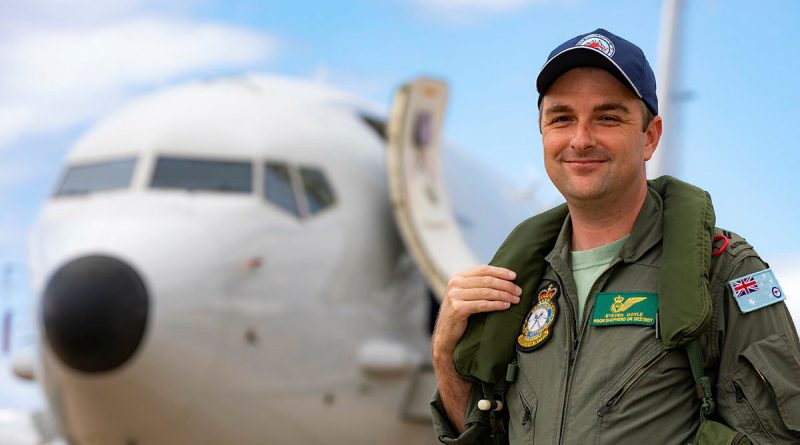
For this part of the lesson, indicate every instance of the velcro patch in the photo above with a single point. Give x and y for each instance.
(625, 308)
(756, 290)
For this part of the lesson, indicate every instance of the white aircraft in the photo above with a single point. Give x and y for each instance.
(222, 263)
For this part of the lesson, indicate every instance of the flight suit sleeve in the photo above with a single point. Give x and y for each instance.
(477, 424)
(758, 383)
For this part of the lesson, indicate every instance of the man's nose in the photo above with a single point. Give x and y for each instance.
(583, 138)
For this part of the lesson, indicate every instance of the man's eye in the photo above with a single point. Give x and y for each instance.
(609, 118)
(558, 119)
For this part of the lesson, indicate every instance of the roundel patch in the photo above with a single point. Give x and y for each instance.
(598, 42)
(536, 328)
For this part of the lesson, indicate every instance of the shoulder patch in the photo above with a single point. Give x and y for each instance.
(757, 290)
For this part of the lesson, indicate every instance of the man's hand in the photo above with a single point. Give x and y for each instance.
(480, 289)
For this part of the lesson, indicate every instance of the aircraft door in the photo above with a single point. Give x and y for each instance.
(419, 196)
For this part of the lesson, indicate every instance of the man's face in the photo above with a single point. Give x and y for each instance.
(594, 146)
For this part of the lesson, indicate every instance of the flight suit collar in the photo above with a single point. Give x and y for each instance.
(646, 232)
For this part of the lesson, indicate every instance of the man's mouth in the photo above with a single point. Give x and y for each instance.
(585, 161)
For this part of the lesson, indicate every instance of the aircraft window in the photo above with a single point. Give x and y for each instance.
(196, 174)
(318, 192)
(96, 177)
(377, 124)
(278, 187)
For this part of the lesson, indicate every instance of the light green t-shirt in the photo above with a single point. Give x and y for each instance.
(588, 265)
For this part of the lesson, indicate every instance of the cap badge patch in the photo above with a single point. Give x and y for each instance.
(536, 328)
(598, 42)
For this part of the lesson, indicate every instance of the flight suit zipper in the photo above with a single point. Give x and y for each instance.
(526, 415)
(608, 404)
(571, 356)
(741, 397)
(576, 338)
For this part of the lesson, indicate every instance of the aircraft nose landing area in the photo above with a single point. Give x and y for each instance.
(94, 313)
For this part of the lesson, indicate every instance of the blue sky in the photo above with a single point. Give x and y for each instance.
(60, 71)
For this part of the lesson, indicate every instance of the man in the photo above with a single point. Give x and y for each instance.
(590, 366)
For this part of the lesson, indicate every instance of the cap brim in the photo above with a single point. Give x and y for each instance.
(579, 56)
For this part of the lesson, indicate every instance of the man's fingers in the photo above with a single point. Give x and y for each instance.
(488, 282)
(480, 289)
(482, 294)
(487, 270)
(466, 308)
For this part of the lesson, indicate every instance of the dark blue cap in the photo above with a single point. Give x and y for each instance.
(602, 49)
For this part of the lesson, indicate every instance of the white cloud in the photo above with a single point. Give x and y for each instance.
(51, 79)
(56, 63)
(16, 14)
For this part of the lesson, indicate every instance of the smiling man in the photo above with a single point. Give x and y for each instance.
(591, 364)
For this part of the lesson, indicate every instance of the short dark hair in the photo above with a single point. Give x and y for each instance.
(647, 117)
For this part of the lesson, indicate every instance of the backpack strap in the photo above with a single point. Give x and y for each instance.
(702, 382)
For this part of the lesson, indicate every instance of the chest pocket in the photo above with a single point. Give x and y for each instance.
(763, 380)
(655, 390)
(522, 403)
(623, 388)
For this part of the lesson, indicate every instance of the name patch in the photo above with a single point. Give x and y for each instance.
(756, 290)
(614, 308)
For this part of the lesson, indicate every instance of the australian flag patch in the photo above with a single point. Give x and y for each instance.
(756, 290)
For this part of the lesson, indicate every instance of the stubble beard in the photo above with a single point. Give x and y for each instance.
(584, 190)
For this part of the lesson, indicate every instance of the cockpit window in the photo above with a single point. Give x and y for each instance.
(96, 177)
(377, 124)
(318, 192)
(278, 187)
(197, 174)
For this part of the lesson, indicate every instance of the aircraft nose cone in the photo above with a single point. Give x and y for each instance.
(94, 313)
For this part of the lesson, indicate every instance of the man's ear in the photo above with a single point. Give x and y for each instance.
(539, 117)
(653, 135)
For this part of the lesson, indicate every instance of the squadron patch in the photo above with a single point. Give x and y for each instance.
(756, 290)
(536, 327)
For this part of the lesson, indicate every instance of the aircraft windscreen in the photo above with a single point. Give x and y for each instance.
(95, 177)
(198, 174)
(278, 187)
(318, 192)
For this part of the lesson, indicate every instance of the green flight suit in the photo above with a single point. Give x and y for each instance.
(619, 385)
